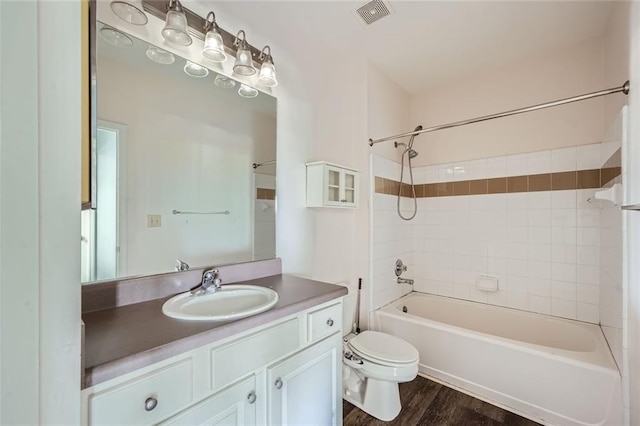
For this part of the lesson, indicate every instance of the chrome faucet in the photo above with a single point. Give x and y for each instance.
(401, 280)
(181, 265)
(211, 283)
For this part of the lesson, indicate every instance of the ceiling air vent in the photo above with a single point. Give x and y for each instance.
(373, 11)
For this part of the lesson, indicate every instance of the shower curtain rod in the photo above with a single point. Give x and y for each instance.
(266, 163)
(624, 89)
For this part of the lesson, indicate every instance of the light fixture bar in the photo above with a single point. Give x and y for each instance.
(196, 24)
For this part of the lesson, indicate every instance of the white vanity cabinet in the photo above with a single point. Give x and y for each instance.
(301, 389)
(287, 372)
(331, 185)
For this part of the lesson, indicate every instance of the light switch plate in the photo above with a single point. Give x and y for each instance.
(154, 220)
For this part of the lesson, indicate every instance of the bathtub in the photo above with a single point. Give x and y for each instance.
(550, 370)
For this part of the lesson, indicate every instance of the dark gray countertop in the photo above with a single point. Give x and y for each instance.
(123, 339)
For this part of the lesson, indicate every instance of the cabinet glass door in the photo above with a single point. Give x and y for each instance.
(349, 187)
(333, 186)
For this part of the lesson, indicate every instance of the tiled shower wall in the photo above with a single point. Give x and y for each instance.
(542, 245)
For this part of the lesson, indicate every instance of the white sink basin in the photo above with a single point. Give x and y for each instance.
(228, 303)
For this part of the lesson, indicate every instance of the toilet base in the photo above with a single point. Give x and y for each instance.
(379, 398)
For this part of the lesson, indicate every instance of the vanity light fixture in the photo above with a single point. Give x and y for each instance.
(213, 45)
(247, 91)
(244, 60)
(224, 82)
(267, 75)
(194, 70)
(160, 56)
(175, 29)
(128, 11)
(115, 37)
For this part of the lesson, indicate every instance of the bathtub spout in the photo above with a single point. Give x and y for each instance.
(404, 281)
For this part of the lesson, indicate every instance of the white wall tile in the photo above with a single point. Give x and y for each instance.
(588, 293)
(588, 274)
(539, 252)
(478, 295)
(588, 255)
(446, 173)
(563, 253)
(564, 236)
(541, 305)
(461, 291)
(588, 217)
(477, 169)
(588, 312)
(564, 290)
(588, 237)
(539, 200)
(518, 201)
(540, 235)
(499, 298)
(517, 165)
(539, 287)
(563, 272)
(563, 199)
(563, 217)
(496, 167)
(588, 157)
(517, 267)
(517, 251)
(563, 308)
(546, 248)
(517, 300)
(540, 270)
(564, 159)
(539, 162)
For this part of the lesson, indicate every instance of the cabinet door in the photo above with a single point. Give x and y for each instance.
(350, 192)
(305, 388)
(234, 406)
(334, 183)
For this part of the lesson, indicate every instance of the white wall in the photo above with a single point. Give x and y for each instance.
(193, 153)
(388, 114)
(543, 78)
(40, 213)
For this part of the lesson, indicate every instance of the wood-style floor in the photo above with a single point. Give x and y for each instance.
(425, 402)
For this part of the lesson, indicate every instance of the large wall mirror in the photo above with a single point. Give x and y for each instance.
(175, 150)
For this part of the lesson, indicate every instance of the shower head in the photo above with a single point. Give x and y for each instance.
(413, 137)
(412, 153)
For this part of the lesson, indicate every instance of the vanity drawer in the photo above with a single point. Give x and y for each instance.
(237, 359)
(144, 400)
(324, 322)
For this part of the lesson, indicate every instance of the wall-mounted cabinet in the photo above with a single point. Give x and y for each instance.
(331, 185)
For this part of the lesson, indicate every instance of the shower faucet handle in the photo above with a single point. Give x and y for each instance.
(400, 267)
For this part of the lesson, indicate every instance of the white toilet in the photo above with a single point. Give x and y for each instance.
(373, 365)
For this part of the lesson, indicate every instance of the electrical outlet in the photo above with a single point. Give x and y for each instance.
(154, 220)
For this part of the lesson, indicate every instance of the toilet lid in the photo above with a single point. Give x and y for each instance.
(384, 347)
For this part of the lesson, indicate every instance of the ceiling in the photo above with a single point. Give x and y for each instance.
(425, 44)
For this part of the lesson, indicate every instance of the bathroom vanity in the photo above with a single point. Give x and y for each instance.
(282, 366)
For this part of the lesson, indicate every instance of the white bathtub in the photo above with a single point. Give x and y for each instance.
(551, 370)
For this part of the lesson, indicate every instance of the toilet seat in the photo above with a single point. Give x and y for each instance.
(383, 348)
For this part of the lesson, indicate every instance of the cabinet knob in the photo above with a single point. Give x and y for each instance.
(278, 383)
(330, 322)
(252, 397)
(150, 403)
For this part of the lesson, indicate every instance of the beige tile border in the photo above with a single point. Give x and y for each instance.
(580, 179)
